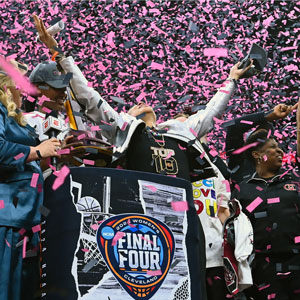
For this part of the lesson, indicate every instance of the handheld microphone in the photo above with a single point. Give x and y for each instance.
(52, 127)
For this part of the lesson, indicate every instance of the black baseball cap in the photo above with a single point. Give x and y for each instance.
(47, 72)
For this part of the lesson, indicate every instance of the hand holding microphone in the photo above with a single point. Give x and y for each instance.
(45, 149)
(52, 127)
(48, 148)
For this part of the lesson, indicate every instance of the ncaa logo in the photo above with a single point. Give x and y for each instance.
(138, 250)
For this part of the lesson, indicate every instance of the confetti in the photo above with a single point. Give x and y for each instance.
(180, 206)
(34, 179)
(154, 273)
(24, 246)
(117, 236)
(273, 200)
(254, 204)
(151, 187)
(36, 228)
(20, 155)
(88, 162)
(61, 176)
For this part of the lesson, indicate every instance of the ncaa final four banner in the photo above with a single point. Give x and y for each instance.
(116, 234)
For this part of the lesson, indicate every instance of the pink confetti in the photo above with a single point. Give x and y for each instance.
(154, 273)
(85, 250)
(95, 226)
(46, 110)
(226, 183)
(193, 132)
(264, 287)
(297, 239)
(117, 236)
(2, 205)
(224, 91)
(180, 206)
(151, 187)
(63, 151)
(7, 243)
(36, 228)
(95, 128)
(273, 200)
(156, 66)
(61, 176)
(237, 187)
(169, 155)
(16, 75)
(246, 122)
(24, 246)
(212, 152)
(218, 52)
(255, 203)
(181, 148)
(81, 136)
(124, 126)
(271, 296)
(20, 155)
(88, 162)
(22, 231)
(244, 148)
(259, 188)
(130, 225)
(34, 179)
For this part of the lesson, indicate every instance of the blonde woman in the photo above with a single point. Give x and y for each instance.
(21, 184)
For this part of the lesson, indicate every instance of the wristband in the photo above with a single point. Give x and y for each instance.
(54, 55)
(235, 82)
(38, 153)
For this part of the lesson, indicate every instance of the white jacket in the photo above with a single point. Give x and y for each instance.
(243, 248)
(212, 194)
(100, 112)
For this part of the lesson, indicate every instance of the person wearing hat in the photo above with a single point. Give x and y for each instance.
(52, 84)
(21, 186)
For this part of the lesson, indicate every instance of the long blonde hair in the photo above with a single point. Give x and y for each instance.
(6, 99)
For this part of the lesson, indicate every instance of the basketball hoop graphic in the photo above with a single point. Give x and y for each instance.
(92, 214)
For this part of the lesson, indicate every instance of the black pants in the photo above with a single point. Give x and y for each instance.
(268, 284)
(215, 284)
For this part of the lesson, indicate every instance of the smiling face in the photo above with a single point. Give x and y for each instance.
(57, 97)
(269, 157)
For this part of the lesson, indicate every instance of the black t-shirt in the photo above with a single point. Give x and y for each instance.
(153, 152)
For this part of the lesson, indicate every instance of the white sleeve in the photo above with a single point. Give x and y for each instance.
(202, 121)
(97, 109)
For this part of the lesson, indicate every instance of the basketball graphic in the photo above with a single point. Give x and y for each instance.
(88, 204)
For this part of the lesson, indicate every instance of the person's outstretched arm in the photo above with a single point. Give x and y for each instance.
(239, 126)
(203, 120)
(96, 108)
